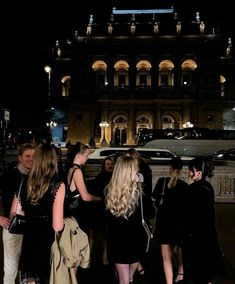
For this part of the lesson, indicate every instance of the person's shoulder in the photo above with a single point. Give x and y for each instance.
(183, 182)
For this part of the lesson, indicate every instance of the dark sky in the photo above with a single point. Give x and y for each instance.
(29, 30)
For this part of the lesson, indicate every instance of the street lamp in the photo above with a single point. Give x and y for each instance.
(103, 126)
(48, 69)
(51, 125)
(188, 124)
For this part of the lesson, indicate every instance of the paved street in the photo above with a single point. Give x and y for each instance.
(225, 214)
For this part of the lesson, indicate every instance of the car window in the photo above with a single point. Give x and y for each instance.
(105, 153)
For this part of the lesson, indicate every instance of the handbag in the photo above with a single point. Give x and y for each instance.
(17, 225)
(18, 222)
(157, 196)
(144, 224)
(162, 195)
(72, 200)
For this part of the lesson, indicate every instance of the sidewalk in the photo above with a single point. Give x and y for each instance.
(225, 216)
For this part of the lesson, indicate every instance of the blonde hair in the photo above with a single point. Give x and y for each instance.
(123, 190)
(44, 168)
(176, 165)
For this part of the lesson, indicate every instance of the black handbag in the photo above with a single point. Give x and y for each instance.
(17, 225)
(72, 199)
(18, 222)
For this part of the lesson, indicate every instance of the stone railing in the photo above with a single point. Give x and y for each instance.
(223, 180)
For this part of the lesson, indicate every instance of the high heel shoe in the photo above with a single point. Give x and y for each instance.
(140, 270)
(180, 281)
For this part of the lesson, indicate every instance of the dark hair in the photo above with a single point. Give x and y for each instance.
(176, 163)
(104, 161)
(204, 165)
(74, 149)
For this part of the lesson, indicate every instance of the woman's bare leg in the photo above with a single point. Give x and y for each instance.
(125, 272)
(167, 263)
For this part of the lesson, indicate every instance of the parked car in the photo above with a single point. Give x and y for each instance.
(225, 155)
(146, 153)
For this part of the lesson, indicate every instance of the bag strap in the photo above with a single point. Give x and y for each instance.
(18, 194)
(164, 185)
(71, 178)
(142, 218)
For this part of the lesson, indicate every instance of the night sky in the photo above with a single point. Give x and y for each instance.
(29, 30)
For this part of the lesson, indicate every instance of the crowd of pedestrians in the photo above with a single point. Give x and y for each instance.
(102, 222)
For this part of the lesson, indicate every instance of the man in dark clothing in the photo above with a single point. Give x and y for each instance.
(9, 185)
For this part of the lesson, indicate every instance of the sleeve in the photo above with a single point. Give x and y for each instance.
(157, 191)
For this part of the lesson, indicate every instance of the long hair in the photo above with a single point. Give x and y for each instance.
(176, 165)
(123, 190)
(44, 168)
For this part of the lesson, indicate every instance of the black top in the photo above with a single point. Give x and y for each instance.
(169, 218)
(39, 234)
(9, 185)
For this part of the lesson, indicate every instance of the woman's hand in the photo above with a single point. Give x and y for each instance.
(4, 222)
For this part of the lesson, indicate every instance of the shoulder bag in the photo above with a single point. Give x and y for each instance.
(163, 192)
(144, 224)
(18, 222)
(72, 199)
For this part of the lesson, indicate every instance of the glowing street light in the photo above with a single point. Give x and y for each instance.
(48, 70)
(103, 126)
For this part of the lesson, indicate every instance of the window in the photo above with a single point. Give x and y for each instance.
(122, 80)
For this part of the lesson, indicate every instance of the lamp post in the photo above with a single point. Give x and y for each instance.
(48, 71)
(51, 124)
(103, 126)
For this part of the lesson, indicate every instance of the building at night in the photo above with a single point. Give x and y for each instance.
(142, 69)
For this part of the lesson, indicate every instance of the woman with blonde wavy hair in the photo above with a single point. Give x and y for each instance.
(126, 238)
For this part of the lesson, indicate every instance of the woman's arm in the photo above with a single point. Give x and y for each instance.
(79, 183)
(58, 209)
(16, 207)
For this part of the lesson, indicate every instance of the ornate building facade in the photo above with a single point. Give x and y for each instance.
(144, 69)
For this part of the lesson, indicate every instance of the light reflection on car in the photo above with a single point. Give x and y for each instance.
(225, 154)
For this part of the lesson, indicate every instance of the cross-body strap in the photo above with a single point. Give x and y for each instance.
(18, 194)
(71, 178)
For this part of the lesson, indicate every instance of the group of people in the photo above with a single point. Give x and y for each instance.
(110, 210)
(185, 224)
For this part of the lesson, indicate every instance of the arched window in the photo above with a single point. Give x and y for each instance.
(187, 69)
(168, 122)
(222, 85)
(66, 83)
(166, 74)
(120, 130)
(100, 67)
(143, 121)
(143, 76)
(121, 78)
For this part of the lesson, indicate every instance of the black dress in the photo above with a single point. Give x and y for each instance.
(39, 236)
(169, 218)
(201, 253)
(126, 238)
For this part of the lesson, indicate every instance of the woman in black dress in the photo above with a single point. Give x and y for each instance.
(172, 192)
(201, 253)
(42, 200)
(126, 238)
